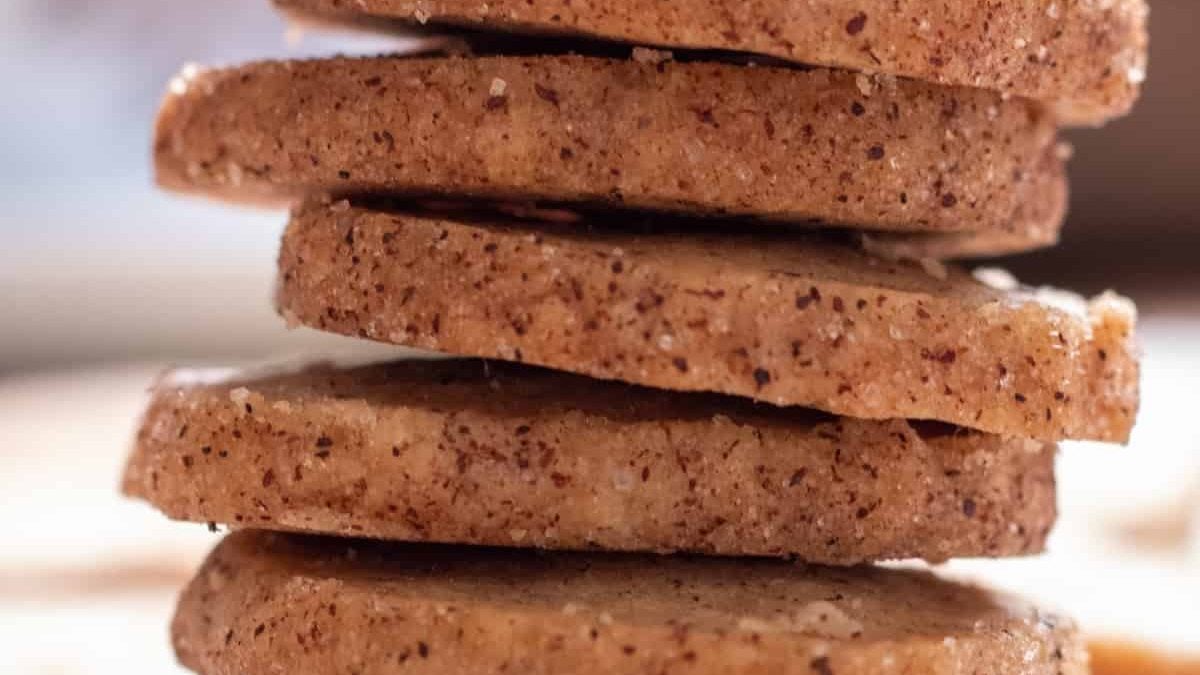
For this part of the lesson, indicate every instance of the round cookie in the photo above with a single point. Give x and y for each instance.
(1088, 57)
(780, 144)
(274, 603)
(477, 452)
(791, 320)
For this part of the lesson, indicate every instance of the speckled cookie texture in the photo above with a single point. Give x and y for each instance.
(1088, 56)
(474, 452)
(791, 320)
(777, 144)
(272, 603)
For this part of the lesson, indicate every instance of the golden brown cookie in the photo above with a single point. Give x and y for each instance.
(499, 454)
(780, 144)
(1087, 56)
(276, 603)
(792, 320)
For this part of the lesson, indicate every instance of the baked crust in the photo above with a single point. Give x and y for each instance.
(790, 320)
(477, 452)
(1088, 57)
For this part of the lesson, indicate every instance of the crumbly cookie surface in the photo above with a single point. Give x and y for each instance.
(815, 147)
(1088, 57)
(791, 320)
(475, 452)
(273, 603)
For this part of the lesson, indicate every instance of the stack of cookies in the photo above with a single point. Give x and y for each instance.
(690, 257)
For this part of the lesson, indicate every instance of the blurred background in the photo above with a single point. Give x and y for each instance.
(104, 281)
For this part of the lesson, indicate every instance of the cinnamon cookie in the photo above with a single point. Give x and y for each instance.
(791, 320)
(276, 603)
(1088, 57)
(477, 452)
(774, 144)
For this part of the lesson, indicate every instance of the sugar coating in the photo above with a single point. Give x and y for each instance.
(475, 452)
(271, 603)
(1086, 56)
(777, 144)
(790, 320)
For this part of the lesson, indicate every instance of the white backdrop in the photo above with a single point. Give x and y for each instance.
(95, 264)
